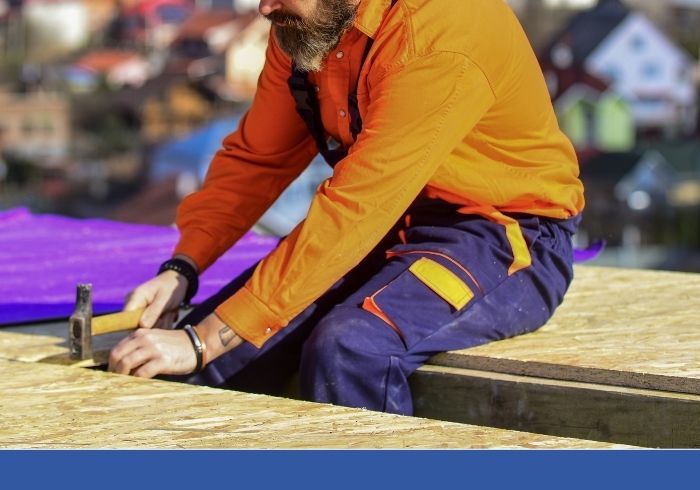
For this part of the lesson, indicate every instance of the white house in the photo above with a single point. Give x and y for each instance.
(650, 71)
(624, 48)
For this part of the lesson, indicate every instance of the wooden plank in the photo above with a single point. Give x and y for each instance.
(48, 343)
(51, 406)
(618, 327)
(563, 408)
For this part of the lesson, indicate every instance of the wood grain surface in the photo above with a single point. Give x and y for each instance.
(48, 343)
(48, 406)
(649, 418)
(621, 327)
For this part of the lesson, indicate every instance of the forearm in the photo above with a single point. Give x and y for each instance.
(218, 337)
(256, 163)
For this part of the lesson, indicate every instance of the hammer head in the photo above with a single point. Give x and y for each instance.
(80, 324)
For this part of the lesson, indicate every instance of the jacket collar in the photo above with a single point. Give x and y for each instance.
(370, 14)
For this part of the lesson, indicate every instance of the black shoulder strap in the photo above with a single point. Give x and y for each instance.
(308, 107)
(353, 106)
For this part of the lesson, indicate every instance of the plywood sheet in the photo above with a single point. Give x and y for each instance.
(621, 327)
(47, 406)
(47, 343)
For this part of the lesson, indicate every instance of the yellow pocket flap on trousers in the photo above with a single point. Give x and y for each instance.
(443, 281)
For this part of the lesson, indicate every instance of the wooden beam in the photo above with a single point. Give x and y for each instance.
(47, 406)
(617, 327)
(564, 408)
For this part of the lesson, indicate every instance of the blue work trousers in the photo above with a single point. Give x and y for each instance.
(358, 343)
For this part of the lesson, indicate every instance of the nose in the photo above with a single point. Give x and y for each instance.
(268, 6)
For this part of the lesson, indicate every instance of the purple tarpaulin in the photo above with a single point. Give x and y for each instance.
(44, 257)
(590, 253)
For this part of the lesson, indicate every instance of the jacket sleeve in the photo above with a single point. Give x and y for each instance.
(257, 162)
(417, 114)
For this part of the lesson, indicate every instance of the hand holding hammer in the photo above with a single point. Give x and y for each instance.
(82, 326)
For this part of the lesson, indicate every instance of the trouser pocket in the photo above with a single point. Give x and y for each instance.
(423, 298)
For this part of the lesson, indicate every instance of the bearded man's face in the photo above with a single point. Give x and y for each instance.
(308, 37)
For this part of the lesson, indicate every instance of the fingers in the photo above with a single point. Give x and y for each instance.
(167, 320)
(146, 353)
(161, 294)
(124, 348)
(138, 298)
(154, 310)
(136, 355)
(150, 369)
(132, 361)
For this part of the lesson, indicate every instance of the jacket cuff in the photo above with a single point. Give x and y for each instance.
(249, 317)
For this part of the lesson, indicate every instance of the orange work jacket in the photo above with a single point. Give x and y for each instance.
(453, 104)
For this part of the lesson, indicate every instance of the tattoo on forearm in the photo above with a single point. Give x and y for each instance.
(226, 335)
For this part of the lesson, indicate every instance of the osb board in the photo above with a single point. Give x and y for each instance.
(648, 418)
(46, 406)
(621, 327)
(46, 342)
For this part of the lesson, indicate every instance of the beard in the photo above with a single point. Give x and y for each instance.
(308, 41)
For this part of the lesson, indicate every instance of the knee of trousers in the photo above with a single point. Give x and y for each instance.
(347, 340)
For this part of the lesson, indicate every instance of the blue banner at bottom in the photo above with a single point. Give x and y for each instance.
(349, 469)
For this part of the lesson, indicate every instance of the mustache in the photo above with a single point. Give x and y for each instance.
(285, 19)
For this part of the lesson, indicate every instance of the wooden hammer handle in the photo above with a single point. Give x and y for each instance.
(116, 322)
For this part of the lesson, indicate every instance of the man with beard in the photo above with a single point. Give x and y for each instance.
(446, 224)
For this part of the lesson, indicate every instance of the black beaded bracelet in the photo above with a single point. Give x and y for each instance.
(187, 271)
(200, 348)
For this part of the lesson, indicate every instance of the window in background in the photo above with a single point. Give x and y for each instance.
(651, 71)
(638, 43)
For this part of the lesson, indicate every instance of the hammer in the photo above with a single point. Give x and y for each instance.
(82, 326)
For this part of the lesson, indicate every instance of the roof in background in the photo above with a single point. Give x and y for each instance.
(101, 61)
(575, 76)
(197, 24)
(134, 98)
(155, 205)
(585, 31)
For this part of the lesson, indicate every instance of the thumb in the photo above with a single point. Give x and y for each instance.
(154, 310)
(135, 301)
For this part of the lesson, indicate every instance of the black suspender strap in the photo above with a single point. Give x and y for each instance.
(353, 106)
(308, 107)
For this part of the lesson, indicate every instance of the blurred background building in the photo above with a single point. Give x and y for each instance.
(113, 108)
